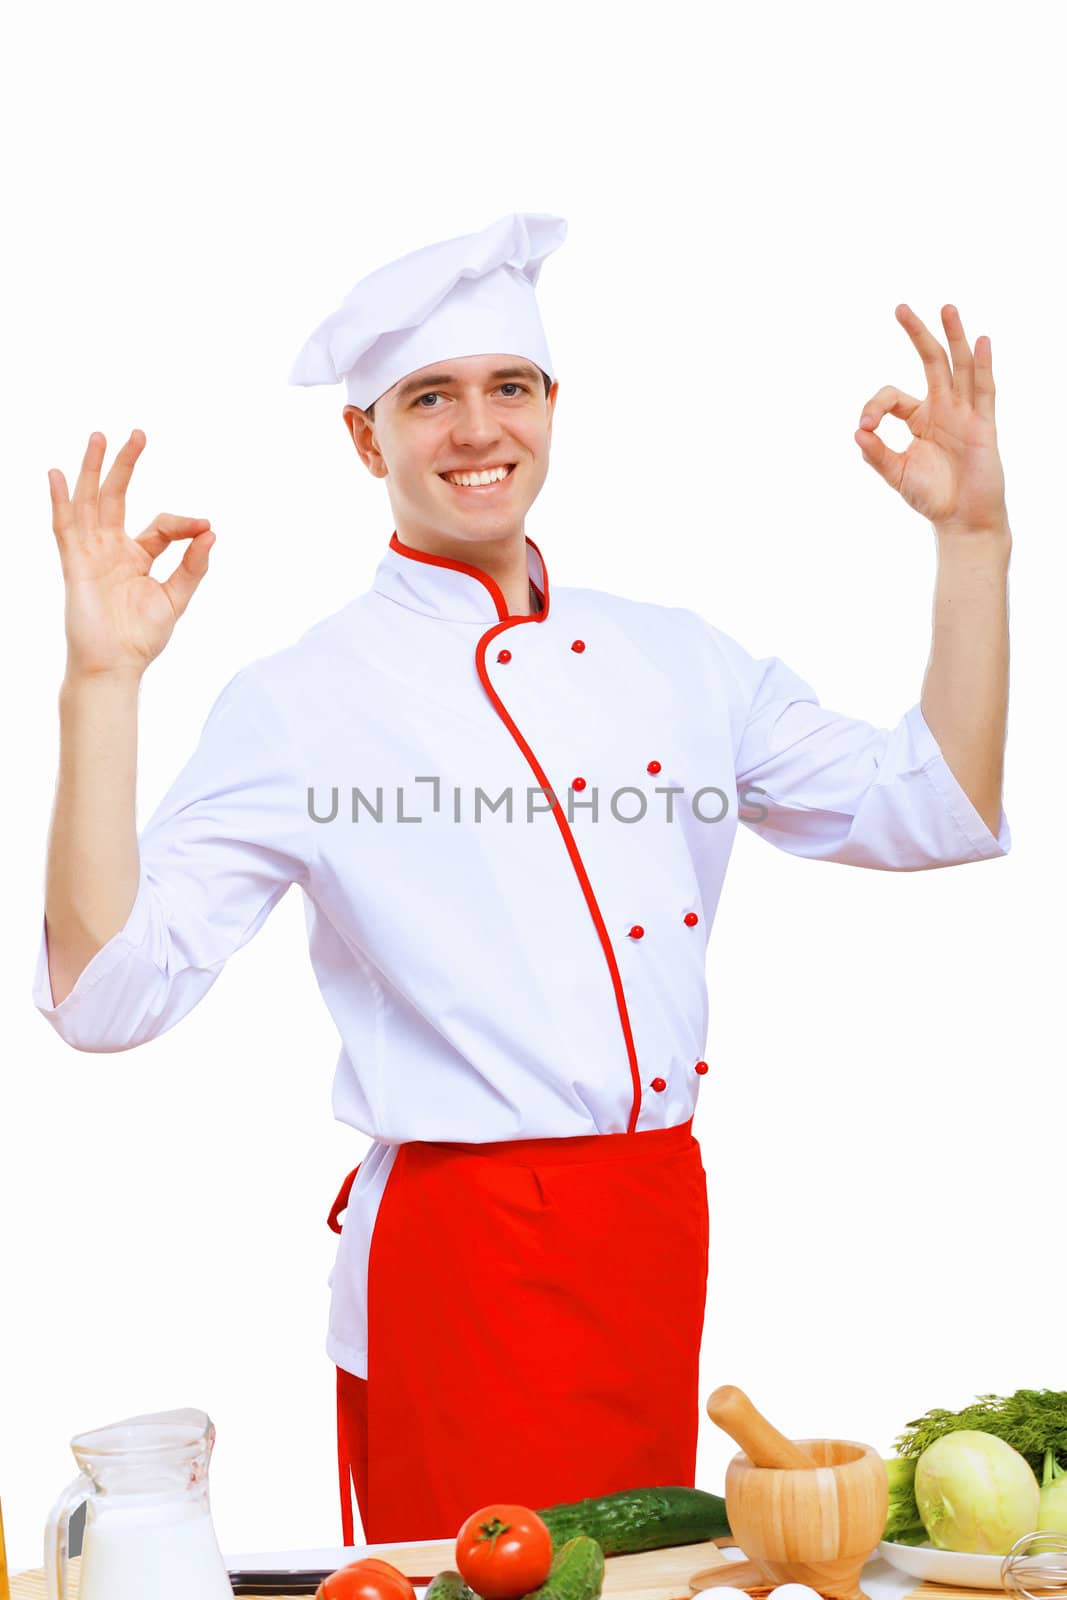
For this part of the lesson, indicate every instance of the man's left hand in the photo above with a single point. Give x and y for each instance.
(951, 472)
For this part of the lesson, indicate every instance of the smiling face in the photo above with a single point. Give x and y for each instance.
(465, 414)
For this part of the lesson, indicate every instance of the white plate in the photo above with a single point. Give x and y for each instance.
(957, 1567)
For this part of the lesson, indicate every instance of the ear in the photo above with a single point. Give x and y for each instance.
(363, 438)
(551, 398)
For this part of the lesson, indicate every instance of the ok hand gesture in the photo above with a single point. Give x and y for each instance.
(118, 617)
(951, 472)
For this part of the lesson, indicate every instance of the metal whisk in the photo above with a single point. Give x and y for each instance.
(1035, 1568)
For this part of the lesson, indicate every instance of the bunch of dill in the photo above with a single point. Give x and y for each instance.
(1032, 1420)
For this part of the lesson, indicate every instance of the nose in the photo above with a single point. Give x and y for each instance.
(474, 422)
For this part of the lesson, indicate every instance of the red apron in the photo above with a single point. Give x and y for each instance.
(535, 1310)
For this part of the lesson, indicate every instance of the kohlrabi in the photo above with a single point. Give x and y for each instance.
(975, 1492)
(1053, 1513)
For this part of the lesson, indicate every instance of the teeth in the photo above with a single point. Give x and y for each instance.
(470, 479)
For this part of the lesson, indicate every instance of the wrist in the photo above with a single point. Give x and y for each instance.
(991, 543)
(996, 531)
(118, 682)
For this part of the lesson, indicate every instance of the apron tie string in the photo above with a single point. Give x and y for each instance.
(342, 1201)
(344, 1460)
(344, 1473)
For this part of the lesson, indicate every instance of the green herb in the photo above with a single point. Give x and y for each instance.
(1031, 1420)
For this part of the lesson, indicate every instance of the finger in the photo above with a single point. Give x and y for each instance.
(62, 511)
(182, 583)
(984, 387)
(112, 502)
(962, 360)
(88, 484)
(934, 358)
(162, 529)
(888, 402)
(888, 464)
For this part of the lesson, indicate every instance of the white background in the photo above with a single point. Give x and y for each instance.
(188, 191)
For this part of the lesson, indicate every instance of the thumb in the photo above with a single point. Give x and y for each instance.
(183, 581)
(889, 464)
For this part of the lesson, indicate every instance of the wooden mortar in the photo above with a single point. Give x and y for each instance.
(809, 1526)
(814, 1521)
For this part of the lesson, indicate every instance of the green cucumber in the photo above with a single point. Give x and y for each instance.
(576, 1573)
(640, 1519)
(449, 1586)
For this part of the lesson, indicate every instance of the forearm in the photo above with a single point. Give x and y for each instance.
(965, 690)
(93, 867)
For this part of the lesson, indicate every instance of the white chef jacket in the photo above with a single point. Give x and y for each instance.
(497, 979)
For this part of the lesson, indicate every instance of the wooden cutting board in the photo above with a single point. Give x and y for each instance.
(652, 1575)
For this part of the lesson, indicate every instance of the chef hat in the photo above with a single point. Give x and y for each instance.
(469, 296)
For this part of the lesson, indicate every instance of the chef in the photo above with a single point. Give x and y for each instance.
(510, 806)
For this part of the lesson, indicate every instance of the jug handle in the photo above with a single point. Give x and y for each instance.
(56, 1535)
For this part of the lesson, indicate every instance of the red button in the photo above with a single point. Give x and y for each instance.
(504, 655)
(579, 645)
(659, 1084)
(702, 1067)
(691, 919)
(654, 766)
(637, 932)
(577, 783)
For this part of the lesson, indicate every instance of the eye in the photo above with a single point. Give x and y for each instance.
(433, 394)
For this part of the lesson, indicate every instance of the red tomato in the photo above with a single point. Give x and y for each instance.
(369, 1579)
(503, 1551)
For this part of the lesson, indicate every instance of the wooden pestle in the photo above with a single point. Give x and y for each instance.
(731, 1410)
(5, 1587)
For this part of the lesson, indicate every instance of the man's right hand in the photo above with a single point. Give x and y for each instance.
(118, 617)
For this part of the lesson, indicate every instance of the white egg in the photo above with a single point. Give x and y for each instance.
(722, 1591)
(793, 1591)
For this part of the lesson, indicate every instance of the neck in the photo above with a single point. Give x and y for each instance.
(504, 560)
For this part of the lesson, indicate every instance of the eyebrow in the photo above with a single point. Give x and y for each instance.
(436, 380)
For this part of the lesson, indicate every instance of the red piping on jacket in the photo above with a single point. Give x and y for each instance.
(508, 621)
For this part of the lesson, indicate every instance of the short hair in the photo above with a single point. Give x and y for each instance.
(369, 412)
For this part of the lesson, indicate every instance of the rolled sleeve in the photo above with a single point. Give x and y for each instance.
(95, 1009)
(218, 853)
(983, 843)
(820, 784)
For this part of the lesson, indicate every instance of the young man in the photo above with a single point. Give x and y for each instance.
(510, 807)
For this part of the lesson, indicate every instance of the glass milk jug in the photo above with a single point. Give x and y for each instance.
(148, 1529)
